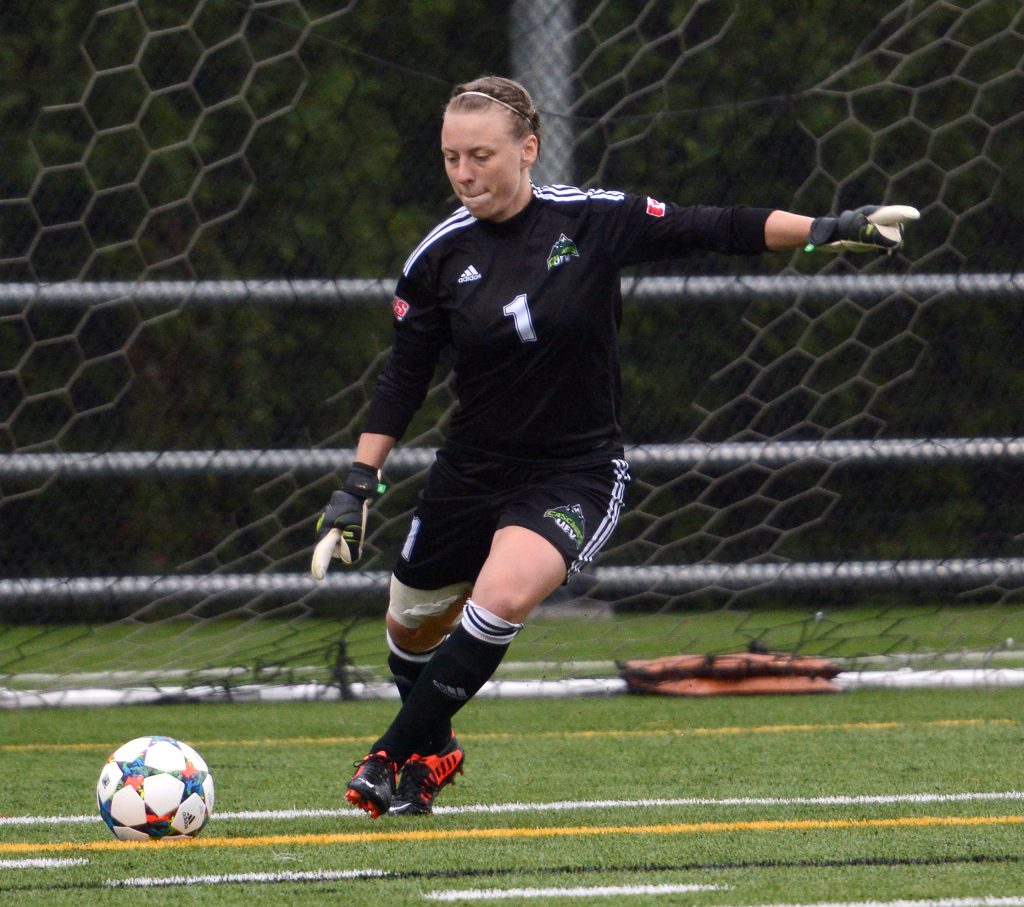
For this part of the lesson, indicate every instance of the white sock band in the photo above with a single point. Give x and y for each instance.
(415, 657)
(488, 627)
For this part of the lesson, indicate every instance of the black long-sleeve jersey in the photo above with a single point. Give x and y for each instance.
(531, 309)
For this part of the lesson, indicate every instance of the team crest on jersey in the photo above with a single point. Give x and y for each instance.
(400, 308)
(562, 251)
(570, 520)
(655, 208)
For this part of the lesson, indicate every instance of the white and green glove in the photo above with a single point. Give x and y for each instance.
(342, 526)
(871, 228)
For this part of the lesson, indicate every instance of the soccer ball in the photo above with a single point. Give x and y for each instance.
(155, 787)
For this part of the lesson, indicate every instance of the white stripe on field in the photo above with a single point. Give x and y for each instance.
(248, 878)
(563, 805)
(986, 901)
(598, 891)
(837, 800)
(43, 863)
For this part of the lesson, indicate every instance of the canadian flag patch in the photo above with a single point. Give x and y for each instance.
(655, 208)
(400, 307)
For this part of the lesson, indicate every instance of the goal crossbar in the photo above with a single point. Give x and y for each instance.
(405, 461)
(953, 573)
(697, 288)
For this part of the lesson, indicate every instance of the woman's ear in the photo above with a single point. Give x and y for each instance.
(530, 147)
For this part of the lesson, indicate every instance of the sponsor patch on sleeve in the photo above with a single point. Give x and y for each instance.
(400, 307)
(655, 208)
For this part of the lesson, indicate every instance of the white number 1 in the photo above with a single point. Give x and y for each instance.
(519, 311)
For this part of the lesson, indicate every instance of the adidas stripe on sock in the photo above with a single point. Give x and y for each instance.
(488, 627)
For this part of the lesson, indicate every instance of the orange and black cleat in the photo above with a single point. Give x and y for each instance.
(424, 776)
(373, 785)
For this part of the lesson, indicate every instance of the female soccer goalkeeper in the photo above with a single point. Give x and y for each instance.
(522, 283)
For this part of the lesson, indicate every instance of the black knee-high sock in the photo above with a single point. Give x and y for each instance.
(404, 674)
(406, 667)
(459, 667)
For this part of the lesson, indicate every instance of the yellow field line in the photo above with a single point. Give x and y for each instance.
(733, 731)
(556, 831)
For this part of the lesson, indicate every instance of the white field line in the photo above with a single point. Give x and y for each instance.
(564, 805)
(43, 863)
(328, 875)
(248, 878)
(597, 891)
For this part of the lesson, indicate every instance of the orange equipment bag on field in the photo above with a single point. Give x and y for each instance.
(730, 674)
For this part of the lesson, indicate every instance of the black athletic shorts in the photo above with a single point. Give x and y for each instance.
(465, 500)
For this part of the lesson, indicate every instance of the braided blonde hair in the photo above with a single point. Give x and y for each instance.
(481, 93)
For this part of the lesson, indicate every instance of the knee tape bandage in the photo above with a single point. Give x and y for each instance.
(413, 608)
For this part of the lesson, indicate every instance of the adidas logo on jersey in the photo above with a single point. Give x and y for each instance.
(470, 274)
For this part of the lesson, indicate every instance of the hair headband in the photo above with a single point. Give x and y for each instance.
(481, 94)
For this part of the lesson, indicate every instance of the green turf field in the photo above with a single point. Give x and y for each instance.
(865, 796)
(165, 651)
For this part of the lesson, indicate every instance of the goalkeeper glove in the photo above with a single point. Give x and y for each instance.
(871, 228)
(342, 526)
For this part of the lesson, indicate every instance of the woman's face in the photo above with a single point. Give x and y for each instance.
(487, 167)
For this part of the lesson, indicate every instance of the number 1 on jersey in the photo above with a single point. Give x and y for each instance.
(519, 311)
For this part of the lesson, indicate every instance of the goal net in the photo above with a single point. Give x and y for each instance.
(203, 209)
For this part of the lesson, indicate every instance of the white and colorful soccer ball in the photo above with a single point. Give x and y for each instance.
(155, 787)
